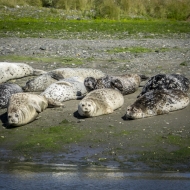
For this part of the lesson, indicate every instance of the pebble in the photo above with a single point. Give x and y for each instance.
(97, 51)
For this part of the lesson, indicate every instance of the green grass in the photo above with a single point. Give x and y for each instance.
(49, 139)
(136, 50)
(70, 29)
(52, 23)
(40, 59)
(162, 157)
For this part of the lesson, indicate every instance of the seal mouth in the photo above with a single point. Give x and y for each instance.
(87, 113)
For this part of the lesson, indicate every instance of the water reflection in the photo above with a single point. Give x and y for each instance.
(61, 176)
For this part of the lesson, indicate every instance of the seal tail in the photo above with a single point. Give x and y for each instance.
(143, 77)
(38, 72)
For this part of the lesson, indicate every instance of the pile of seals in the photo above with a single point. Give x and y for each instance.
(98, 92)
(162, 94)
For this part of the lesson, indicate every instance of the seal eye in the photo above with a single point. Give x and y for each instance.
(89, 105)
(9, 116)
(82, 105)
(16, 115)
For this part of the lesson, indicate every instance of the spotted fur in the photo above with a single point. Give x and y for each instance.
(66, 89)
(166, 81)
(157, 102)
(126, 84)
(42, 82)
(24, 108)
(16, 70)
(6, 90)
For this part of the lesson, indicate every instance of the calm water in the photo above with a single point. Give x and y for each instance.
(30, 176)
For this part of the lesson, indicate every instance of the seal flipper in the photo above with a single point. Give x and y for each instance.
(143, 77)
(109, 110)
(54, 103)
(38, 72)
(55, 76)
(162, 111)
(65, 83)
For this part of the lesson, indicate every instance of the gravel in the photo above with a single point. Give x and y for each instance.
(167, 55)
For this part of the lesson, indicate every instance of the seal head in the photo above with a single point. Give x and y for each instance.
(6, 90)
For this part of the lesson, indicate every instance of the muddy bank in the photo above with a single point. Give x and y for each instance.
(60, 135)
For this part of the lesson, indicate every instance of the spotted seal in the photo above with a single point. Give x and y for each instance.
(166, 81)
(157, 102)
(99, 102)
(16, 70)
(6, 90)
(126, 84)
(66, 89)
(25, 107)
(42, 82)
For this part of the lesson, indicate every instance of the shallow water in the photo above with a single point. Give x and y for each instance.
(60, 176)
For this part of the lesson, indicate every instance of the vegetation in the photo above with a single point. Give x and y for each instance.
(49, 27)
(90, 20)
(50, 138)
(115, 9)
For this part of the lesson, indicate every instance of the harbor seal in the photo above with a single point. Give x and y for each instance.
(42, 82)
(6, 90)
(16, 70)
(24, 108)
(166, 81)
(99, 102)
(126, 84)
(66, 89)
(157, 102)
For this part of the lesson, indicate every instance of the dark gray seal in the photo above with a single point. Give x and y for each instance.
(157, 102)
(6, 90)
(126, 84)
(166, 81)
(42, 82)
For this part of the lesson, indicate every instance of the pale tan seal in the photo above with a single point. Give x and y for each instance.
(99, 102)
(157, 102)
(16, 70)
(40, 83)
(24, 108)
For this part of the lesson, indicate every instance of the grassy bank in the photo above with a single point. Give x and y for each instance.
(30, 21)
(91, 29)
(27, 22)
(114, 9)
